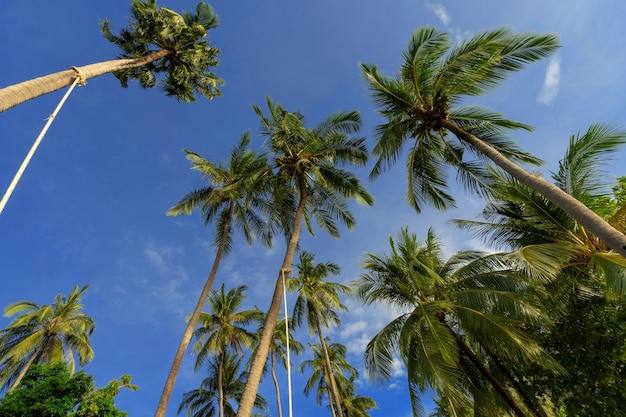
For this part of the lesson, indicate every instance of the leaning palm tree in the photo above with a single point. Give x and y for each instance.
(223, 329)
(452, 311)
(157, 41)
(231, 196)
(318, 301)
(545, 236)
(420, 106)
(44, 334)
(319, 379)
(309, 183)
(204, 402)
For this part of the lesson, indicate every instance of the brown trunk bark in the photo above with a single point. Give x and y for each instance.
(329, 368)
(220, 383)
(184, 342)
(16, 94)
(26, 366)
(613, 238)
(276, 386)
(258, 362)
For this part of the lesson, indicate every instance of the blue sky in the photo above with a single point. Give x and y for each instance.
(91, 206)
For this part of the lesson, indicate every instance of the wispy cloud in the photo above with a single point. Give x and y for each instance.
(551, 81)
(440, 11)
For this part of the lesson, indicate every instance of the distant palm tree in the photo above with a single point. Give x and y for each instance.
(278, 352)
(231, 196)
(353, 405)
(204, 402)
(224, 328)
(309, 183)
(420, 106)
(44, 334)
(318, 301)
(451, 307)
(319, 372)
(157, 41)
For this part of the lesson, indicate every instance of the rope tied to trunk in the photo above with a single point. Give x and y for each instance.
(79, 76)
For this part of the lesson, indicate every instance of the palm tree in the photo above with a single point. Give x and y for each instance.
(202, 402)
(223, 329)
(353, 405)
(545, 236)
(278, 352)
(157, 41)
(471, 301)
(318, 302)
(44, 334)
(420, 108)
(231, 196)
(309, 182)
(320, 375)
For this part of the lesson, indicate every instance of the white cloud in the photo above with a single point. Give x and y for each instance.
(551, 82)
(440, 11)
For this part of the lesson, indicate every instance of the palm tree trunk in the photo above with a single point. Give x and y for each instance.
(26, 366)
(331, 401)
(537, 411)
(191, 324)
(329, 368)
(574, 208)
(258, 362)
(220, 382)
(500, 389)
(276, 386)
(19, 93)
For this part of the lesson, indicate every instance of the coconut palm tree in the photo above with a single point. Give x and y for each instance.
(320, 376)
(43, 334)
(420, 106)
(278, 352)
(352, 404)
(453, 311)
(545, 236)
(231, 196)
(157, 41)
(318, 301)
(203, 402)
(224, 329)
(309, 183)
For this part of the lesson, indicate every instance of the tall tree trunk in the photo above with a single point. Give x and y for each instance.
(574, 208)
(329, 368)
(276, 386)
(191, 324)
(16, 94)
(220, 382)
(26, 366)
(500, 389)
(258, 362)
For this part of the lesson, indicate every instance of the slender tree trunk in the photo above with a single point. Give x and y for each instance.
(331, 402)
(500, 389)
(220, 383)
(258, 362)
(331, 375)
(16, 94)
(276, 386)
(184, 341)
(26, 366)
(537, 411)
(574, 208)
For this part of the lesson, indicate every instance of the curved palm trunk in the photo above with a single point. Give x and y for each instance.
(258, 362)
(500, 389)
(193, 320)
(19, 93)
(26, 366)
(329, 368)
(577, 210)
(276, 386)
(537, 411)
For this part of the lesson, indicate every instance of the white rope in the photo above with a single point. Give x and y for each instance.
(287, 333)
(20, 171)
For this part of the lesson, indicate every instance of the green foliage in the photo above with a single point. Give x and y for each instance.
(186, 67)
(51, 391)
